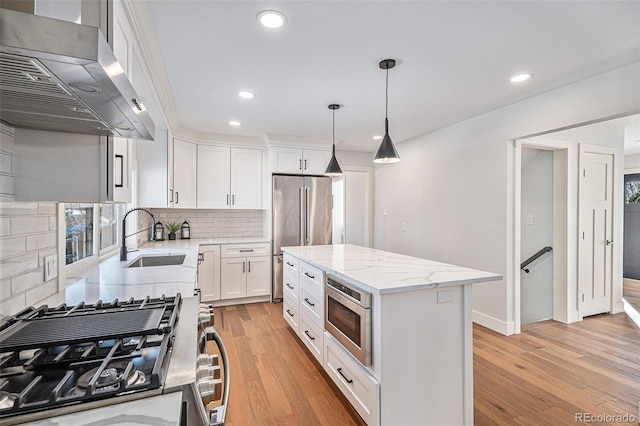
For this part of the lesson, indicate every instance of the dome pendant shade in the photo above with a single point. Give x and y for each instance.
(387, 151)
(333, 169)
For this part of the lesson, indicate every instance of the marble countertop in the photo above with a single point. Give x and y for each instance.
(384, 272)
(109, 279)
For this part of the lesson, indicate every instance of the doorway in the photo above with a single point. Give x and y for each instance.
(545, 188)
(352, 206)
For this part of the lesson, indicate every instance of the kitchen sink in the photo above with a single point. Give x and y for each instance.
(157, 260)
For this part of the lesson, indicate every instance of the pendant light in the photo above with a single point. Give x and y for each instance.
(333, 169)
(386, 152)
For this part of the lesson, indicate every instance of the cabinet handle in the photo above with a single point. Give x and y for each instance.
(249, 267)
(308, 335)
(309, 303)
(305, 164)
(227, 199)
(171, 195)
(176, 197)
(246, 250)
(200, 258)
(609, 242)
(310, 276)
(290, 286)
(299, 164)
(339, 370)
(290, 264)
(120, 159)
(289, 312)
(233, 200)
(243, 267)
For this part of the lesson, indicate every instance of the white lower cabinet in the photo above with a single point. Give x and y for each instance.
(312, 336)
(291, 314)
(209, 273)
(243, 272)
(358, 386)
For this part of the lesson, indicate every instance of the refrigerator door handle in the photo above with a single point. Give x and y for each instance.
(302, 217)
(306, 222)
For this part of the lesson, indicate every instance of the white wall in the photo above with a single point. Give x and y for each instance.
(453, 187)
(632, 162)
(536, 287)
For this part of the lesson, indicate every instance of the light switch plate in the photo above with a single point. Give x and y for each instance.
(50, 267)
(529, 219)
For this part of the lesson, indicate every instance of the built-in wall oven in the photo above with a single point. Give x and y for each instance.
(348, 317)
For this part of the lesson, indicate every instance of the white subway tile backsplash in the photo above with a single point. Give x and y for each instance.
(18, 208)
(5, 226)
(18, 265)
(227, 224)
(10, 247)
(12, 305)
(48, 209)
(41, 241)
(5, 289)
(35, 295)
(29, 224)
(24, 282)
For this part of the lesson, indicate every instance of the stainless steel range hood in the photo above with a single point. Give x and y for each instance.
(61, 76)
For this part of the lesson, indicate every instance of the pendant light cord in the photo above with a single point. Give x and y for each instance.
(334, 132)
(386, 97)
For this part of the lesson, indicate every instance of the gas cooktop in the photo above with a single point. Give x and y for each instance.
(61, 357)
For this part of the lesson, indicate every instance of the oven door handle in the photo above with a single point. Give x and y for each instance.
(217, 415)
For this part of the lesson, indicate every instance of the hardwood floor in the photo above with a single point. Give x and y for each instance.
(543, 376)
(631, 292)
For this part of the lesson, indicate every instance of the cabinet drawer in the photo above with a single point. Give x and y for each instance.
(311, 303)
(312, 275)
(357, 385)
(246, 250)
(291, 264)
(312, 335)
(291, 314)
(290, 285)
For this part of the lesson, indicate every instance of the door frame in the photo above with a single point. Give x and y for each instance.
(564, 241)
(617, 228)
(368, 201)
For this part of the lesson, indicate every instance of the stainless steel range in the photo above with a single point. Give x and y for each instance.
(55, 361)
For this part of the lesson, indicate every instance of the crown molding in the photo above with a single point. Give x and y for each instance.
(191, 135)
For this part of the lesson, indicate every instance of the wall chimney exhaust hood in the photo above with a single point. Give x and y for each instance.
(61, 76)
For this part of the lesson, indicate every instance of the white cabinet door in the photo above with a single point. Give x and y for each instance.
(209, 273)
(258, 276)
(246, 178)
(121, 163)
(315, 161)
(184, 174)
(233, 278)
(214, 175)
(286, 160)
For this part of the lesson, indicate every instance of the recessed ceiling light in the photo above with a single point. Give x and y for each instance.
(246, 94)
(271, 19)
(521, 77)
(377, 137)
(234, 123)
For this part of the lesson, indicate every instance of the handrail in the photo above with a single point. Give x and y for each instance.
(534, 257)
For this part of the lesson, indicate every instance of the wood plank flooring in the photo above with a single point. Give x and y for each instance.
(631, 292)
(543, 376)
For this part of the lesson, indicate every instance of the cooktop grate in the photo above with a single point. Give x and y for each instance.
(46, 332)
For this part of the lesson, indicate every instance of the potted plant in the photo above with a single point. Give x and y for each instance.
(172, 228)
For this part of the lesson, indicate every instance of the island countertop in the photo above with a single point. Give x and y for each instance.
(385, 272)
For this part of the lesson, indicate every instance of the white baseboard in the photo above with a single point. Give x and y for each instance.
(499, 326)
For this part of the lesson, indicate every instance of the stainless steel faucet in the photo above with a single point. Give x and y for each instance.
(123, 249)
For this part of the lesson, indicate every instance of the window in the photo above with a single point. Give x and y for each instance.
(85, 240)
(632, 188)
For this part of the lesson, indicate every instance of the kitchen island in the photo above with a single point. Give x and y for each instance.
(421, 368)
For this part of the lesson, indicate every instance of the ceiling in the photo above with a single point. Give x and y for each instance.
(454, 58)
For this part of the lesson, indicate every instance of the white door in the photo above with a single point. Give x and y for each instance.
(184, 174)
(246, 178)
(286, 160)
(209, 273)
(214, 177)
(596, 230)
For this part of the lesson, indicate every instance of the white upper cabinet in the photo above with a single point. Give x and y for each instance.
(299, 160)
(229, 177)
(184, 174)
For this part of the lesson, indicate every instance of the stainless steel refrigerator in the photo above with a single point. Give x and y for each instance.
(301, 217)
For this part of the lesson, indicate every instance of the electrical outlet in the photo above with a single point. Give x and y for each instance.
(50, 267)
(404, 227)
(529, 219)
